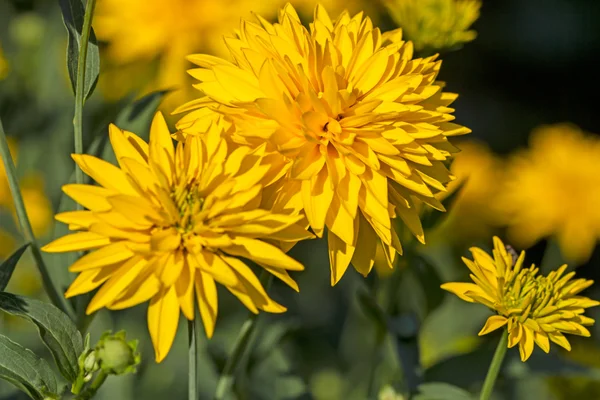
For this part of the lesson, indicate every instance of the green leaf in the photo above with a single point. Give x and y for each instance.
(73, 12)
(442, 391)
(56, 329)
(137, 116)
(8, 266)
(27, 371)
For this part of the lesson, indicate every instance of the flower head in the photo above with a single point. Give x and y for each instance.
(147, 40)
(534, 308)
(435, 24)
(361, 126)
(553, 189)
(173, 221)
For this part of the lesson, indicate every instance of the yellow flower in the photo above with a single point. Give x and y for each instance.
(147, 41)
(3, 65)
(553, 189)
(171, 220)
(362, 125)
(435, 24)
(535, 308)
(479, 176)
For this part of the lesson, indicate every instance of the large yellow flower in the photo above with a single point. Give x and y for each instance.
(534, 308)
(362, 125)
(553, 189)
(171, 220)
(435, 24)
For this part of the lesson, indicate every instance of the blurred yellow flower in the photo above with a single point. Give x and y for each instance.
(7, 244)
(362, 126)
(37, 205)
(479, 175)
(535, 308)
(435, 25)
(147, 41)
(3, 65)
(171, 220)
(553, 189)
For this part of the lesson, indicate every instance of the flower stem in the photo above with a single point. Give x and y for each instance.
(79, 86)
(494, 370)
(192, 361)
(55, 296)
(242, 342)
(91, 391)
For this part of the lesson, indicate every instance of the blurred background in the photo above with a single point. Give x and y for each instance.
(529, 172)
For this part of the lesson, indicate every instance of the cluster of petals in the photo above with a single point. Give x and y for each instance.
(535, 309)
(359, 127)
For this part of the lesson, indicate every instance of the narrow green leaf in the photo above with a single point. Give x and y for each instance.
(8, 266)
(442, 391)
(72, 13)
(27, 371)
(137, 116)
(56, 329)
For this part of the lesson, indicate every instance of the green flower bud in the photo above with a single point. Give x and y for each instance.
(116, 356)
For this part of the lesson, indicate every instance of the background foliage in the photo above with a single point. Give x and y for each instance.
(532, 63)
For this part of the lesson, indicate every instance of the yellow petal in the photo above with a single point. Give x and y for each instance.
(107, 255)
(317, 194)
(541, 339)
(340, 254)
(104, 173)
(162, 152)
(185, 290)
(118, 283)
(212, 264)
(91, 197)
(262, 252)
(90, 280)
(123, 146)
(77, 219)
(461, 289)
(163, 318)
(206, 292)
(147, 286)
(526, 344)
(494, 322)
(366, 244)
(76, 242)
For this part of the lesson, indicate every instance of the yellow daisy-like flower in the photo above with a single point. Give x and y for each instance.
(534, 308)
(171, 221)
(553, 189)
(435, 24)
(362, 126)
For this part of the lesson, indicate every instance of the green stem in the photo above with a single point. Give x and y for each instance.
(494, 370)
(240, 347)
(91, 391)
(192, 361)
(80, 85)
(55, 296)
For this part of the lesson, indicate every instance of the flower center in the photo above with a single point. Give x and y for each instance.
(188, 203)
(527, 293)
